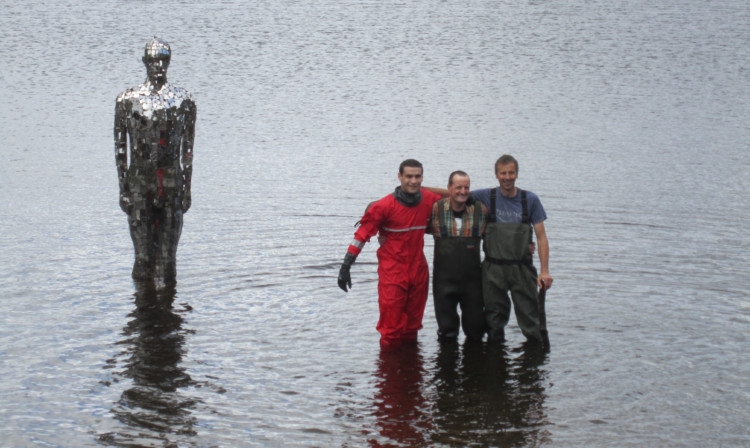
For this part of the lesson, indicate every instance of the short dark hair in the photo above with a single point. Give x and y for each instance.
(411, 163)
(504, 160)
(456, 173)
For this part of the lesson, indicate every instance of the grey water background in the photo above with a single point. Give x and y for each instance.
(630, 119)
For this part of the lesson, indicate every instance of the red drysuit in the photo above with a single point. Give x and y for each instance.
(402, 267)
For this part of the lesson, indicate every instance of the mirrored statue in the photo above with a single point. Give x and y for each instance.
(156, 122)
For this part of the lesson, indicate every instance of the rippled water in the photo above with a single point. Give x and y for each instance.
(630, 120)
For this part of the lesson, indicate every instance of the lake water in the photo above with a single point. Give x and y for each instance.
(631, 120)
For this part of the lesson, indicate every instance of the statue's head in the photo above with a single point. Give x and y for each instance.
(156, 58)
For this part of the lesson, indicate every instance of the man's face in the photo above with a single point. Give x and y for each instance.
(458, 191)
(507, 175)
(156, 66)
(411, 179)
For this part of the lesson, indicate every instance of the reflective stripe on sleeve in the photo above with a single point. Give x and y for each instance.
(356, 247)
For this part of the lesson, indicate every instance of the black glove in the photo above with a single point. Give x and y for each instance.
(345, 278)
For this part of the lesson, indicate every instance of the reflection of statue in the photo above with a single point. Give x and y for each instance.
(153, 407)
(158, 119)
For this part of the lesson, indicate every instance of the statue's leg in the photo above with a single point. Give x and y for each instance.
(169, 230)
(141, 219)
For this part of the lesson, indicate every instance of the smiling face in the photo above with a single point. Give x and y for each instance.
(411, 179)
(459, 191)
(507, 174)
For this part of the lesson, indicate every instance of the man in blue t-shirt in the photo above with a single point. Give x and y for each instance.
(508, 264)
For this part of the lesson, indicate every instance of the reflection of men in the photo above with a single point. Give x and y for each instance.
(457, 271)
(402, 218)
(508, 264)
(504, 392)
(158, 119)
(399, 402)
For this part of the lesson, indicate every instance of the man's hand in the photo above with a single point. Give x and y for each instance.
(345, 277)
(544, 281)
(381, 238)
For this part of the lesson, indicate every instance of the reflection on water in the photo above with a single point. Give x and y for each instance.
(154, 409)
(400, 398)
(475, 395)
(490, 396)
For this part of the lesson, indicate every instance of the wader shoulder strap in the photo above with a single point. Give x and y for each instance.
(444, 229)
(441, 221)
(493, 199)
(477, 218)
(524, 209)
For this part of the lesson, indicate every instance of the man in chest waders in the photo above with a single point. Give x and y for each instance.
(508, 264)
(457, 267)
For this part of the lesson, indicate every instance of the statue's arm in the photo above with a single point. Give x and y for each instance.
(121, 153)
(191, 114)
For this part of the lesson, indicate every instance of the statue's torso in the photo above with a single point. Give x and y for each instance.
(155, 121)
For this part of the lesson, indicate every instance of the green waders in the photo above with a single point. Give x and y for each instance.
(508, 267)
(457, 280)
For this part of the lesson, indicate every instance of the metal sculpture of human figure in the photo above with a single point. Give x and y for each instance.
(158, 121)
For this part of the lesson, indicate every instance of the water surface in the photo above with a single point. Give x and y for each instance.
(629, 120)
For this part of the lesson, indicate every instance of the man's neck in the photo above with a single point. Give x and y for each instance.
(458, 206)
(406, 199)
(510, 193)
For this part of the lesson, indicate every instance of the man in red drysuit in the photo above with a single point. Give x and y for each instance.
(402, 218)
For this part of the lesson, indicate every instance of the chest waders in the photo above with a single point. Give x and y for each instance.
(508, 267)
(457, 280)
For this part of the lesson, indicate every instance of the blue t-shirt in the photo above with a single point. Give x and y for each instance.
(510, 209)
